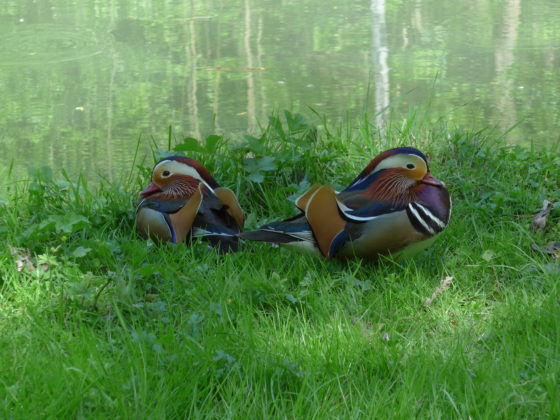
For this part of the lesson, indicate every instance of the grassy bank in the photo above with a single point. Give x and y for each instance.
(95, 322)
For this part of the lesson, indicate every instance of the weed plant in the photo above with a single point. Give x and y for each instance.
(96, 322)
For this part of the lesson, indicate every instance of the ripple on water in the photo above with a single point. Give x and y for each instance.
(31, 44)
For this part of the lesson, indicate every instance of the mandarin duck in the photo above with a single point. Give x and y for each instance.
(184, 200)
(394, 206)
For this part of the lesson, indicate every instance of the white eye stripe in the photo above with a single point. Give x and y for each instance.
(182, 169)
(399, 161)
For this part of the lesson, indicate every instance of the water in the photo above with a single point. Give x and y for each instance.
(81, 80)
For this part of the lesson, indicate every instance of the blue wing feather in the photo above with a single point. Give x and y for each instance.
(360, 184)
(337, 243)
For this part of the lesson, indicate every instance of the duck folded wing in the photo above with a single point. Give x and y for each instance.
(323, 215)
(357, 207)
(228, 198)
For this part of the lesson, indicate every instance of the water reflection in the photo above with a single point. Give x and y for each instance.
(505, 58)
(251, 99)
(191, 61)
(80, 81)
(380, 54)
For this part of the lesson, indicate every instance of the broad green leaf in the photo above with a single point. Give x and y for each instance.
(65, 223)
(256, 177)
(212, 143)
(267, 163)
(41, 173)
(189, 144)
(80, 252)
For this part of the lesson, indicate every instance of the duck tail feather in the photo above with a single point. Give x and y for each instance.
(267, 236)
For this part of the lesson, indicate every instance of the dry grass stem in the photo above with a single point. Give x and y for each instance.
(23, 259)
(443, 286)
(540, 219)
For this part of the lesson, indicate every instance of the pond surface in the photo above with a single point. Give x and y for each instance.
(81, 80)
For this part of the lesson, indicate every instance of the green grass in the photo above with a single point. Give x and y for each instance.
(101, 324)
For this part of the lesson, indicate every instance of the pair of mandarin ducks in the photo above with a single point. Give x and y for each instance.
(394, 206)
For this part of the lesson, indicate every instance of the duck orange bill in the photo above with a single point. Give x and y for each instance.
(150, 189)
(432, 180)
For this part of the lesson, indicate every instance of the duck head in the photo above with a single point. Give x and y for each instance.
(396, 175)
(177, 177)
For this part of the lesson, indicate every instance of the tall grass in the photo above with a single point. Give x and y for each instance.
(95, 322)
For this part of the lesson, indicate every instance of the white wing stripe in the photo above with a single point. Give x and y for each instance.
(346, 211)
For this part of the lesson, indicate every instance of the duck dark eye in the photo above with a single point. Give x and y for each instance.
(410, 166)
(166, 173)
